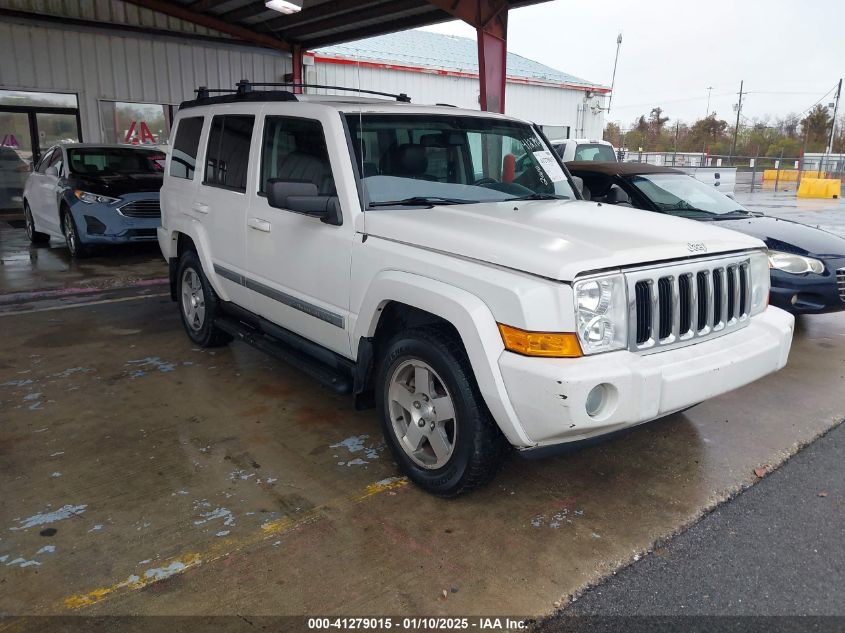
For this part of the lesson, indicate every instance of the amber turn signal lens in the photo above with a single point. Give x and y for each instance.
(547, 344)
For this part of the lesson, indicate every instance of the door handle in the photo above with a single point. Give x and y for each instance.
(259, 225)
(200, 207)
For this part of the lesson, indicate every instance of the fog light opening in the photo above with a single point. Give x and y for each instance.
(601, 400)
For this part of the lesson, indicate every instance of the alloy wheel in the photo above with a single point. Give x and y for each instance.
(70, 235)
(193, 299)
(422, 413)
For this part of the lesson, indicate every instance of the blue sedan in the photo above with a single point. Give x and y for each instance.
(89, 195)
(807, 264)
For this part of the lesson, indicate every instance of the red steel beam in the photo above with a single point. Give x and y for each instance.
(490, 19)
(178, 11)
(296, 57)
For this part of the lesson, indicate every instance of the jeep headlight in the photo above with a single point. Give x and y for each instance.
(795, 264)
(760, 281)
(601, 313)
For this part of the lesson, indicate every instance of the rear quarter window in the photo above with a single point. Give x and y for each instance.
(227, 157)
(183, 158)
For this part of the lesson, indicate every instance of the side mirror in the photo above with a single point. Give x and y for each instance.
(579, 184)
(303, 197)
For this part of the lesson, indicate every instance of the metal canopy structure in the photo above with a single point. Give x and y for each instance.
(326, 22)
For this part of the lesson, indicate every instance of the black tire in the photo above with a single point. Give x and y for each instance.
(36, 237)
(206, 333)
(479, 446)
(75, 246)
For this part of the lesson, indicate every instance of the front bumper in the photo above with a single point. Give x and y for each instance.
(550, 395)
(808, 293)
(105, 224)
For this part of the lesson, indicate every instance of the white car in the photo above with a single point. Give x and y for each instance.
(354, 238)
(572, 149)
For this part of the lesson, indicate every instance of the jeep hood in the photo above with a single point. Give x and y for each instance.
(551, 238)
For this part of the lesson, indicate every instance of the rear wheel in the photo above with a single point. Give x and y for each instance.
(199, 304)
(433, 417)
(77, 249)
(36, 237)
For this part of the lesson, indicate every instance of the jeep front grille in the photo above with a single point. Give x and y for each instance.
(840, 282)
(141, 209)
(681, 304)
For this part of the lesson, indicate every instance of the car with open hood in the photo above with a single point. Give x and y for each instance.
(89, 195)
(439, 265)
(807, 263)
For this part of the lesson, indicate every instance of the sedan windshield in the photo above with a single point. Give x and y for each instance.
(104, 161)
(422, 160)
(679, 194)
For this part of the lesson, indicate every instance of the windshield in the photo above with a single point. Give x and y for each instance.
(683, 195)
(99, 161)
(594, 151)
(425, 159)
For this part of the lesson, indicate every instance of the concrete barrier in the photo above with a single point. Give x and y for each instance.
(819, 188)
(790, 175)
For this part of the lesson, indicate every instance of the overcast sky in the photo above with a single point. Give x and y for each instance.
(789, 53)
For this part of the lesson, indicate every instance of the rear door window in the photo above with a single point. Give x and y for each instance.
(183, 158)
(227, 156)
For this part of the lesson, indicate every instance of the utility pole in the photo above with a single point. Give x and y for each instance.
(833, 123)
(709, 90)
(736, 128)
(613, 79)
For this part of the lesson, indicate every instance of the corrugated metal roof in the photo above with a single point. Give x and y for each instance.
(445, 52)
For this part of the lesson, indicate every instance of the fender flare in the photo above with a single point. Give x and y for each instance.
(471, 318)
(194, 230)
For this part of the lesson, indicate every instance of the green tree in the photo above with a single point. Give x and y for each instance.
(816, 128)
(708, 132)
(613, 134)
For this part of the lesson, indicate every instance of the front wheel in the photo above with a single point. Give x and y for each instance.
(433, 417)
(36, 237)
(199, 304)
(77, 249)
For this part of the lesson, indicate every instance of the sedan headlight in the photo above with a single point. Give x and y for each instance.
(760, 281)
(93, 198)
(601, 313)
(796, 264)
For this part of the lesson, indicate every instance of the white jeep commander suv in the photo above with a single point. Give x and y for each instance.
(439, 264)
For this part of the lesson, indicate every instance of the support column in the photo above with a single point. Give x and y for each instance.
(490, 19)
(492, 63)
(297, 54)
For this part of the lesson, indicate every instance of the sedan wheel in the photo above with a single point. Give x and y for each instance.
(423, 414)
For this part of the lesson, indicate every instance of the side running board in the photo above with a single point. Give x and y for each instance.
(338, 381)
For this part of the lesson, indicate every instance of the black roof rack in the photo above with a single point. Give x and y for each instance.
(244, 91)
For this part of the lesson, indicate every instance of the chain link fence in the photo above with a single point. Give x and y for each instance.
(775, 173)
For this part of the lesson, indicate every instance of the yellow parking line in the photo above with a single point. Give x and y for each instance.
(221, 548)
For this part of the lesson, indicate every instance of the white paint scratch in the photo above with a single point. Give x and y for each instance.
(22, 562)
(44, 518)
(47, 549)
(161, 573)
(356, 444)
(96, 528)
(217, 513)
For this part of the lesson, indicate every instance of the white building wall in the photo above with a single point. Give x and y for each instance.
(540, 104)
(99, 65)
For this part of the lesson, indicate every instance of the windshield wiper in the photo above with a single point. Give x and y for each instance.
(420, 201)
(539, 196)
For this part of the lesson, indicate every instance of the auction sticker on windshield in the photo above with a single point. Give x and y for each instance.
(549, 165)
